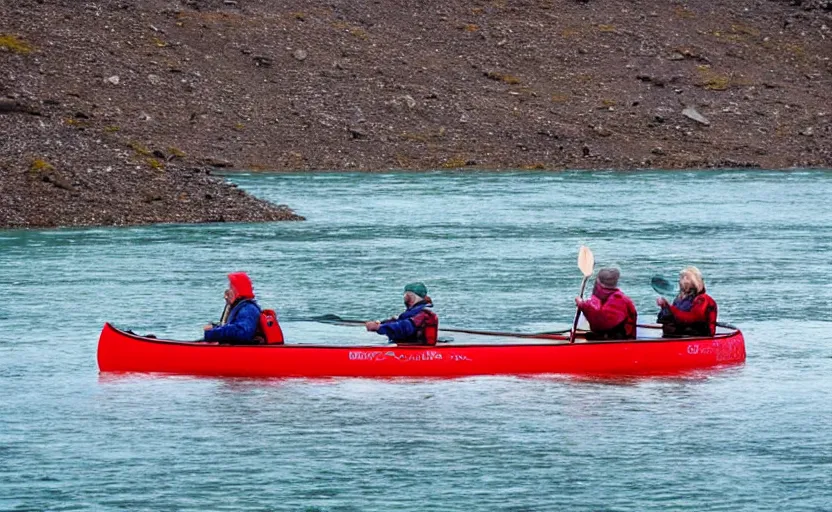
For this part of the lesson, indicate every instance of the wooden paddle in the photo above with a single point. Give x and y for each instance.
(225, 312)
(586, 263)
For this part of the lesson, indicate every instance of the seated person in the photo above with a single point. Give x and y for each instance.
(693, 312)
(418, 325)
(241, 325)
(610, 313)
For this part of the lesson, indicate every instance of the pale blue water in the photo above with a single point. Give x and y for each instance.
(497, 251)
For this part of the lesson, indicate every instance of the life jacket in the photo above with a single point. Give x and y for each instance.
(269, 328)
(708, 326)
(626, 330)
(712, 311)
(429, 331)
(673, 327)
(425, 321)
(631, 322)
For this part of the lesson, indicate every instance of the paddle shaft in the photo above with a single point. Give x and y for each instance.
(556, 335)
(577, 312)
(541, 335)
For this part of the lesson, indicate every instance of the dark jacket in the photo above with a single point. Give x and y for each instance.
(241, 327)
(417, 325)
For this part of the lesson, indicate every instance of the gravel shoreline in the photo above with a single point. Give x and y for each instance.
(113, 113)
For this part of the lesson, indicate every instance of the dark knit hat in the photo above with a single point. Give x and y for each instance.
(418, 288)
(608, 278)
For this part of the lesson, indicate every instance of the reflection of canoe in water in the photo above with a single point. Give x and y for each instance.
(119, 351)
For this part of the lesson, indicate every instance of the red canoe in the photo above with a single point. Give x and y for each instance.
(120, 351)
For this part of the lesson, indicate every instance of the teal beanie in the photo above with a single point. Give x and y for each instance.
(418, 288)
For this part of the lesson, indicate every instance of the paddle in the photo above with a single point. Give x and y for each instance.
(330, 318)
(224, 317)
(555, 335)
(225, 310)
(586, 263)
(662, 286)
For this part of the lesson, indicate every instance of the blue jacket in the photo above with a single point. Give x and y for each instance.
(683, 302)
(243, 321)
(406, 326)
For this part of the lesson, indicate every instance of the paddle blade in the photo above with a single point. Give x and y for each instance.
(328, 318)
(662, 286)
(335, 319)
(586, 261)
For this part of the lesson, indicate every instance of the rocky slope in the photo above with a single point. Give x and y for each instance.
(111, 110)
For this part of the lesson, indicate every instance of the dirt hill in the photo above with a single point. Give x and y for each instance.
(112, 110)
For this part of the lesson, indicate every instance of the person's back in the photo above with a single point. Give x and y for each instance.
(610, 313)
(418, 325)
(243, 321)
(693, 312)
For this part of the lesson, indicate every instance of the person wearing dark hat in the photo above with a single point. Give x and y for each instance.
(418, 325)
(610, 313)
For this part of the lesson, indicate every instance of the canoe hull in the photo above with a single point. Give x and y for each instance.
(119, 351)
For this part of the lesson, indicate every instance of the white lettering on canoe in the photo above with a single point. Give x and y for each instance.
(356, 355)
(406, 356)
(721, 350)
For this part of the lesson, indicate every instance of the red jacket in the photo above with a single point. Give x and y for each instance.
(701, 319)
(611, 314)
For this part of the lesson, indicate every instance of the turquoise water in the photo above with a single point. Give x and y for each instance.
(497, 251)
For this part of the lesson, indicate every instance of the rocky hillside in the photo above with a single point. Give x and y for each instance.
(112, 110)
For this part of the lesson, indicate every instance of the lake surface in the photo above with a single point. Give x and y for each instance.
(497, 251)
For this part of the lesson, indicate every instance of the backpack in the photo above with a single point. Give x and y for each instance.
(270, 328)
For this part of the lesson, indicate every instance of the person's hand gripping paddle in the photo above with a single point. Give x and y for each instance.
(586, 262)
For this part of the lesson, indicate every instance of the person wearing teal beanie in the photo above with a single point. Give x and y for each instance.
(418, 325)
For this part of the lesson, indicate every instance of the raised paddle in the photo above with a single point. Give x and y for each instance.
(662, 286)
(586, 262)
